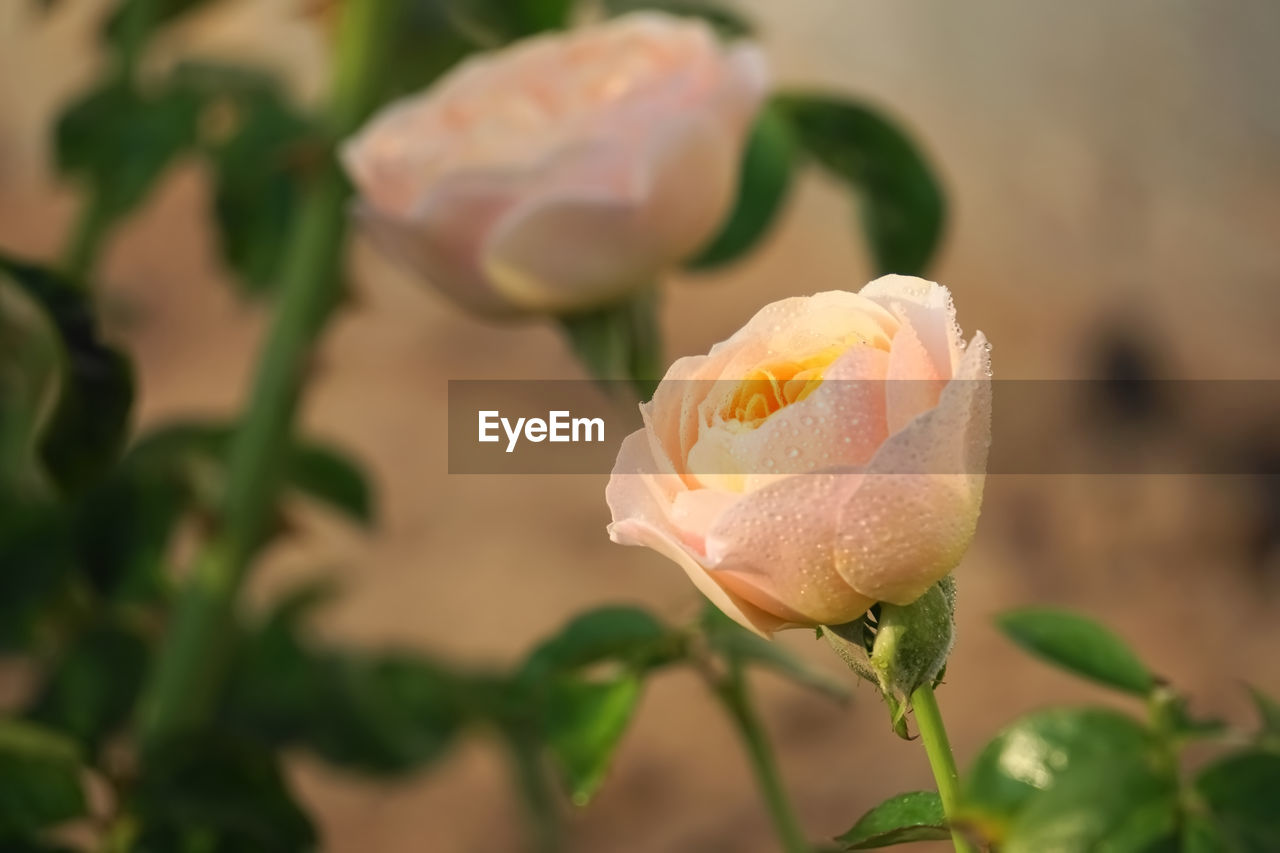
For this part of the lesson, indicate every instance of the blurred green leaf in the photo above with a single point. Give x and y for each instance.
(83, 435)
(212, 792)
(263, 152)
(582, 711)
(1038, 750)
(763, 184)
(200, 448)
(496, 22)
(1107, 806)
(29, 367)
(380, 713)
(35, 845)
(122, 529)
(332, 478)
(1241, 792)
(1268, 714)
(903, 207)
(119, 141)
(1079, 645)
(626, 635)
(133, 18)
(1200, 835)
(39, 778)
(93, 685)
(35, 560)
(585, 723)
(916, 816)
(1171, 714)
(620, 341)
(426, 40)
(740, 647)
(728, 21)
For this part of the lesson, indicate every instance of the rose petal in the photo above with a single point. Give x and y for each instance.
(640, 509)
(585, 242)
(777, 544)
(914, 384)
(927, 306)
(915, 512)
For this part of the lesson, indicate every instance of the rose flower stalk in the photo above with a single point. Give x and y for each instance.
(829, 455)
(558, 174)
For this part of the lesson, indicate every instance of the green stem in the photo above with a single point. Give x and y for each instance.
(733, 693)
(539, 801)
(188, 672)
(933, 734)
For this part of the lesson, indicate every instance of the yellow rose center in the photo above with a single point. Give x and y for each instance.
(772, 387)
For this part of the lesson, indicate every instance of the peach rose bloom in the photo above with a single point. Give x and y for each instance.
(829, 455)
(564, 170)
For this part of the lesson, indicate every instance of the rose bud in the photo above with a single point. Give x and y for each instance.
(829, 455)
(561, 172)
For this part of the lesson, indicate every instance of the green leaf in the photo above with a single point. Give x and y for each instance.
(119, 141)
(87, 427)
(39, 778)
(729, 22)
(763, 185)
(620, 341)
(382, 713)
(92, 688)
(143, 16)
(332, 478)
(213, 792)
(29, 367)
(1079, 645)
(1038, 750)
(496, 22)
(584, 719)
(585, 722)
(1106, 806)
(1268, 714)
(1200, 835)
(263, 154)
(916, 816)
(1171, 713)
(122, 529)
(200, 449)
(33, 845)
(1240, 792)
(625, 635)
(903, 208)
(740, 647)
(425, 41)
(36, 559)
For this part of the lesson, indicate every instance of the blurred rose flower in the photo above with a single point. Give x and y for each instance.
(564, 170)
(828, 455)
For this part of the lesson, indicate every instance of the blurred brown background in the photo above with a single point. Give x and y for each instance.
(1114, 176)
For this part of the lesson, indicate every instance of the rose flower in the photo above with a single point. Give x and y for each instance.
(829, 455)
(559, 173)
